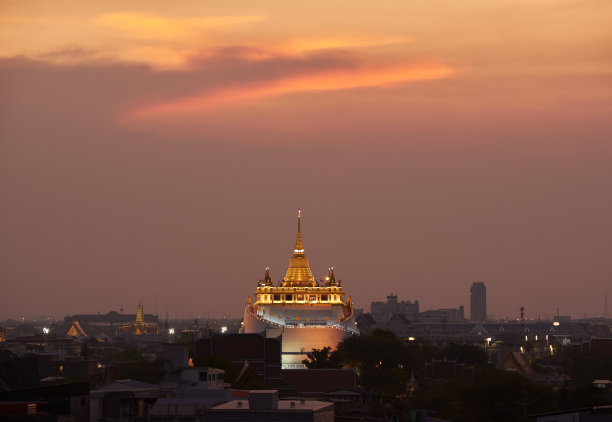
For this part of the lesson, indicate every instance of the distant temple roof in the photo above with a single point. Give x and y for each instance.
(110, 317)
(76, 330)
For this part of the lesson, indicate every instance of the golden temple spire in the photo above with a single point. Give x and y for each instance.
(299, 247)
(140, 314)
(298, 273)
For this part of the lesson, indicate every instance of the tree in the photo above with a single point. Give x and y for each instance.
(468, 354)
(380, 359)
(323, 358)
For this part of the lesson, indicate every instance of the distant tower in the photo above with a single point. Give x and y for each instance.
(478, 301)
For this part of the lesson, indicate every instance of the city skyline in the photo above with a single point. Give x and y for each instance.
(155, 153)
(174, 314)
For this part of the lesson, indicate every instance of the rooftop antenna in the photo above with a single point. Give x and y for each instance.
(522, 315)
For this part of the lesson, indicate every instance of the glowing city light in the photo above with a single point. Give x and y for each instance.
(556, 323)
(171, 331)
(46, 330)
(223, 329)
(411, 338)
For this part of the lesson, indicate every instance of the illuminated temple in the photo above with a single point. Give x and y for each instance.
(140, 327)
(303, 313)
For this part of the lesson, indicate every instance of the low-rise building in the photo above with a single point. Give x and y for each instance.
(264, 405)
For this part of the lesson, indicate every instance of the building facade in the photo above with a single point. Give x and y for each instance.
(478, 301)
(383, 311)
(301, 312)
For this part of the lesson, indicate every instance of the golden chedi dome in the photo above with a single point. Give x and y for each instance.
(298, 273)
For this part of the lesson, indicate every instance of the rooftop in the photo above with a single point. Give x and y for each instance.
(283, 406)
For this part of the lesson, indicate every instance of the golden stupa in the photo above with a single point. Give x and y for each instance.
(298, 273)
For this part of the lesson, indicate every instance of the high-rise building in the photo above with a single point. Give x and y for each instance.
(303, 313)
(478, 301)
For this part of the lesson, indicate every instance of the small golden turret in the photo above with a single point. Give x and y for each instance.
(330, 280)
(267, 279)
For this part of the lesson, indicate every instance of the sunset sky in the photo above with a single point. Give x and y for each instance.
(158, 151)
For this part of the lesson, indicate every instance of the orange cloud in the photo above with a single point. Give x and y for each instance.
(321, 81)
(144, 25)
(302, 45)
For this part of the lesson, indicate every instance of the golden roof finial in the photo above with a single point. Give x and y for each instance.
(299, 247)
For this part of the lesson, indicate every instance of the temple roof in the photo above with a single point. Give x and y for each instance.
(298, 273)
(76, 330)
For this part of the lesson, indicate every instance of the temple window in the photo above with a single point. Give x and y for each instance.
(277, 297)
(324, 298)
(288, 297)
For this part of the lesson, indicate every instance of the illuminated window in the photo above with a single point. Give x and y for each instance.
(312, 298)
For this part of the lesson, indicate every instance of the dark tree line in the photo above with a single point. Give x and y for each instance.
(385, 363)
